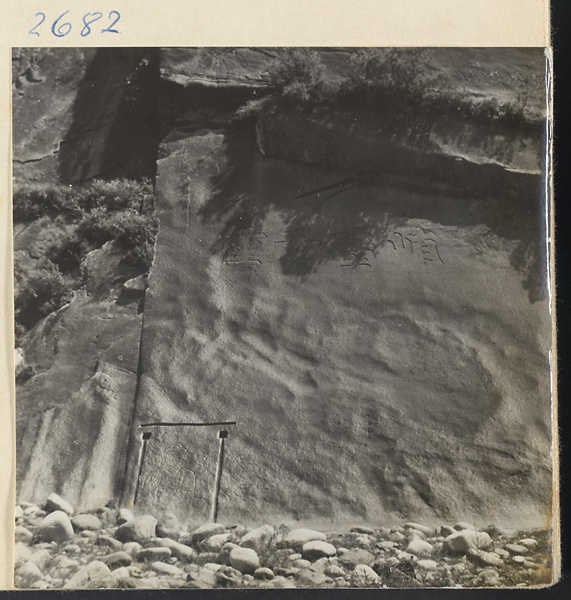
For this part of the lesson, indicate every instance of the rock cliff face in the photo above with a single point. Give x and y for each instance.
(359, 306)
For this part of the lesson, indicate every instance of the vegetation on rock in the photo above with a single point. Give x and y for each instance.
(87, 217)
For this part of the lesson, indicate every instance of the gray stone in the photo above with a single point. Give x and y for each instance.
(385, 545)
(41, 558)
(318, 549)
(428, 531)
(137, 530)
(154, 554)
(489, 577)
(483, 558)
(133, 548)
(420, 548)
(227, 577)
(181, 551)
(28, 572)
(397, 536)
(205, 531)
(298, 537)
(309, 578)
(105, 540)
(446, 530)
(55, 527)
(361, 529)
(467, 539)
(95, 575)
(124, 516)
(169, 527)
(364, 576)
(216, 542)
(258, 537)
(356, 556)
(264, 573)
(528, 542)
(334, 571)
(245, 560)
(23, 535)
(301, 563)
(55, 502)
(86, 523)
(18, 512)
(117, 559)
(516, 548)
(22, 553)
(165, 569)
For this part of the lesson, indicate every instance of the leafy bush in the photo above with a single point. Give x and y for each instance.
(89, 216)
(39, 292)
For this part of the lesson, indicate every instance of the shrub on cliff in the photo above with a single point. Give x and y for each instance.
(39, 292)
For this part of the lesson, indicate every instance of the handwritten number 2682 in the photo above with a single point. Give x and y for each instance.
(60, 29)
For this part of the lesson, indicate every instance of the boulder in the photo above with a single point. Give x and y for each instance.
(309, 578)
(154, 554)
(205, 531)
(258, 537)
(165, 569)
(298, 537)
(137, 530)
(263, 573)
(356, 556)
(28, 572)
(117, 559)
(483, 558)
(169, 527)
(124, 516)
(364, 576)
(55, 502)
(215, 543)
(245, 560)
(361, 529)
(21, 553)
(23, 535)
(181, 551)
(318, 549)
(467, 539)
(55, 527)
(427, 564)
(228, 577)
(420, 548)
(95, 575)
(86, 523)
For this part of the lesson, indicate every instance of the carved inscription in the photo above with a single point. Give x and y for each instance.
(170, 473)
(352, 248)
(417, 240)
(244, 248)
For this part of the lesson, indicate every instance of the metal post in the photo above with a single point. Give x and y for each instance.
(222, 435)
(146, 436)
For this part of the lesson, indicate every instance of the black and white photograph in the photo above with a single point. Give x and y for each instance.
(283, 317)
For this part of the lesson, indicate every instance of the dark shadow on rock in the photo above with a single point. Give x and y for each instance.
(115, 128)
(350, 216)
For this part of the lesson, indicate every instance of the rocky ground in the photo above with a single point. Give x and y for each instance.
(110, 548)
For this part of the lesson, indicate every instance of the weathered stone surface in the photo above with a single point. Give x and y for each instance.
(140, 528)
(21, 534)
(56, 527)
(297, 537)
(169, 527)
(165, 569)
(355, 557)
(257, 537)
(95, 575)
(309, 578)
(244, 559)
(264, 573)
(22, 553)
(364, 576)
(181, 551)
(467, 539)
(318, 549)
(154, 554)
(205, 531)
(483, 558)
(124, 516)
(55, 502)
(517, 548)
(86, 522)
(420, 548)
(215, 543)
(116, 560)
(427, 564)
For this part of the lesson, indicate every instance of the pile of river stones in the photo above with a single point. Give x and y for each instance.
(111, 548)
